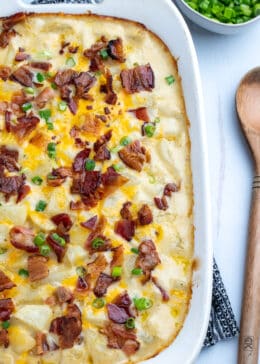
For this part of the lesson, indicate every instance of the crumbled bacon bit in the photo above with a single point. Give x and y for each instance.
(91, 124)
(83, 82)
(87, 183)
(80, 160)
(63, 295)
(102, 284)
(82, 284)
(5, 282)
(11, 185)
(112, 181)
(41, 343)
(73, 49)
(103, 140)
(165, 296)
(117, 314)
(125, 228)
(161, 203)
(44, 66)
(96, 267)
(23, 76)
(65, 77)
(24, 126)
(118, 256)
(3, 109)
(147, 259)
(5, 72)
(73, 106)
(90, 223)
(37, 267)
(44, 96)
(23, 192)
(22, 238)
(63, 46)
(134, 155)
(145, 216)
(9, 158)
(139, 78)
(111, 97)
(141, 114)
(125, 212)
(169, 188)
(6, 308)
(63, 222)
(68, 327)
(4, 340)
(21, 56)
(57, 248)
(115, 49)
(5, 37)
(58, 176)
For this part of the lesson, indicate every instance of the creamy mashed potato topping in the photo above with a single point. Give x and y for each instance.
(96, 226)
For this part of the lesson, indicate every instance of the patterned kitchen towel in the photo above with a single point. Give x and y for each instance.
(222, 323)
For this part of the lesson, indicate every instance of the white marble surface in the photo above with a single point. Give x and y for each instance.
(223, 61)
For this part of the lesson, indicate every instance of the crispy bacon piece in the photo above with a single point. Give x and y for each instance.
(92, 53)
(25, 125)
(64, 45)
(59, 250)
(6, 308)
(124, 301)
(96, 267)
(115, 49)
(91, 124)
(5, 72)
(65, 77)
(68, 327)
(42, 345)
(117, 314)
(21, 56)
(4, 340)
(63, 222)
(23, 192)
(83, 283)
(141, 114)
(22, 238)
(74, 49)
(119, 337)
(102, 154)
(73, 106)
(90, 223)
(83, 83)
(145, 216)
(5, 37)
(44, 96)
(3, 109)
(165, 296)
(111, 97)
(112, 180)
(125, 228)
(134, 155)
(10, 21)
(80, 159)
(169, 188)
(147, 259)
(139, 78)
(65, 93)
(23, 76)
(125, 211)
(63, 295)
(58, 176)
(9, 158)
(5, 282)
(161, 203)
(87, 183)
(102, 284)
(102, 248)
(118, 256)
(44, 66)
(37, 267)
(11, 185)
(103, 140)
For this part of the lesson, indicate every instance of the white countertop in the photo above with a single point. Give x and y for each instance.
(223, 61)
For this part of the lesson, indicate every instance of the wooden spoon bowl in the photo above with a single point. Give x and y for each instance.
(248, 109)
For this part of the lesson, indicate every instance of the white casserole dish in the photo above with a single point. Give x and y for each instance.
(164, 19)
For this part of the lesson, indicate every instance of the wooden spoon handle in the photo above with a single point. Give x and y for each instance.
(250, 319)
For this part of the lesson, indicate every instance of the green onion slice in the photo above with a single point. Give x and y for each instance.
(103, 53)
(116, 271)
(98, 303)
(3, 250)
(149, 129)
(130, 323)
(45, 114)
(70, 62)
(29, 90)
(135, 250)
(90, 165)
(51, 149)
(41, 205)
(142, 303)
(37, 180)
(97, 243)
(56, 237)
(45, 250)
(27, 106)
(39, 239)
(40, 77)
(81, 271)
(137, 271)
(170, 79)
(125, 141)
(62, 106)
(5, 324)
(23, 273)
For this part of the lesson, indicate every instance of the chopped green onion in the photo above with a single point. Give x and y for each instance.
(116, 272)
(125, 141)
(90, 165)
(23, 273)
(29, 90)
(3, 250)
(130, 323)
(257, 9)
(135, 250)
(149, 129)
(45, 250)
(50, 125)
(103, 53)
(97, 243)
(157, 120)
(37, 180)
(61, 241)
(70, 62)
(45, 114)
(39, 239)
(137, 271)
(51, 177)
(48, 75)
(45, 54)
(40, 77)
(117, 167)
(98, 303)
(54, 86)
(115, 149)
(62, 106)
(51, 149)
(170, 79)
(27, 106)
(41, 205)
(142, 303)
(152, 179)
(81, 271)
(136, 64)
(5, 324)
(98, 73)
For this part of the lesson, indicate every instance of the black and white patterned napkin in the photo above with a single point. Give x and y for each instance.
(222, 323)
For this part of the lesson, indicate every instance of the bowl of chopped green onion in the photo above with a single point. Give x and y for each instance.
(221, 16)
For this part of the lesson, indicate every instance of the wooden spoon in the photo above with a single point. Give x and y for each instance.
(248, 108)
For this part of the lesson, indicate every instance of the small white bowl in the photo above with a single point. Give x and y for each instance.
(210, 24)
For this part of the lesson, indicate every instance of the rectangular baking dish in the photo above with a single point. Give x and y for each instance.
(163, 18)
